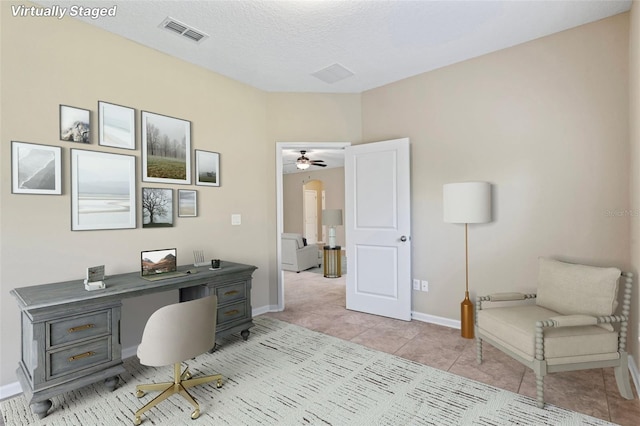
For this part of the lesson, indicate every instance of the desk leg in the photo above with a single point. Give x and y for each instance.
(40, 408)
(245, 334)
(111, 382)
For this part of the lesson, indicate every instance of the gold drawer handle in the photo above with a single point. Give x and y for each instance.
(80, 356)
(231, 293)
(233, 312)
(81, 327)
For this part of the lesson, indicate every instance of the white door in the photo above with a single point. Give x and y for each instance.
(311, 216)
(378, 228)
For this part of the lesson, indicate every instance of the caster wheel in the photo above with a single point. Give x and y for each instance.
(219, 383)
(195, 414)
(137, 420)
(139, 394)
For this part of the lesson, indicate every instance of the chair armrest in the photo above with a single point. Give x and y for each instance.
(503, 297)
(577, 320)
(573, 320)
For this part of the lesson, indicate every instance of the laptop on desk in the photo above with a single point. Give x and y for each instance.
(159, 264)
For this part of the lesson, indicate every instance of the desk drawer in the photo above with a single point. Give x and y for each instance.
(78, 328)
(232, 312)
(232, 292)
(78, 357)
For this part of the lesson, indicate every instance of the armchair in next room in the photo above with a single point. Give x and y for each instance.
(295, 255)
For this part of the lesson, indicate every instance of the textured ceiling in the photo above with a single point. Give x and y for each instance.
(278, 45)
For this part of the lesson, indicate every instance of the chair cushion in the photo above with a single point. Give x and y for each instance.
(515, 327)
(577, 289)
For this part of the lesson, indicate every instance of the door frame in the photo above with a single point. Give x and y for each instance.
(281, 146)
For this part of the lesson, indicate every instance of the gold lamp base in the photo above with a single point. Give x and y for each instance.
(466, 317)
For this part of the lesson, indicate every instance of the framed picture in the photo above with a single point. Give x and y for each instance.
(75, 124)
(36, 169)
(116, 126)
(166, 149)
(157, 208)
(207, 168)
(187, 203)
(103, 190)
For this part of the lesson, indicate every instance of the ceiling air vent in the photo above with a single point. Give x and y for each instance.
(333, 73)
(184, 30)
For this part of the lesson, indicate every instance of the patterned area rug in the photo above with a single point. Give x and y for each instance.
(288, 375)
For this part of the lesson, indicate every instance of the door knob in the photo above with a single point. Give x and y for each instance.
(403, 238)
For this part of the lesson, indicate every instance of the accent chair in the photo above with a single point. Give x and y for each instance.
(173, 334)
(569, 324)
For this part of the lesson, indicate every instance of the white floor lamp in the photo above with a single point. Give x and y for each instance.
(467, 202)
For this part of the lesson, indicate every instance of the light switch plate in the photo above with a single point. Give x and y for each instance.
(236, 219)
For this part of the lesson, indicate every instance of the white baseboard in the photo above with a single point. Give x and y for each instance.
(10, 390)
(432, 319)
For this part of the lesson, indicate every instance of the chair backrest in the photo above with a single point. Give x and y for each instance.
(293, 238)
(569, 288)
(178, 332)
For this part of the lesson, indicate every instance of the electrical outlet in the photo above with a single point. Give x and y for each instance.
(416, 284)
(425, 285)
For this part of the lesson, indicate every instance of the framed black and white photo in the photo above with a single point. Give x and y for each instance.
(103, 190)
(207, 168)
(187, 203)
(166, 149)
(116, 126)
(157, 208)
(75, 124)
(36, 169)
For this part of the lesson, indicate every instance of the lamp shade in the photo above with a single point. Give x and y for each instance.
(332, 217)
(467, 202)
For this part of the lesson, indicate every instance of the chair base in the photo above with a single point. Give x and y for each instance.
(182, 381)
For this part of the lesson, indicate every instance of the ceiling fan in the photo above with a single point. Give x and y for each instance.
(304, 162)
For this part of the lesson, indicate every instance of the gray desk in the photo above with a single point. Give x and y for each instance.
(71, 336)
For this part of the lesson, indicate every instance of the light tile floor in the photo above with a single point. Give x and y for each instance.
(318, 303)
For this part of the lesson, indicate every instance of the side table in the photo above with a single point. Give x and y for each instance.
(332, 262)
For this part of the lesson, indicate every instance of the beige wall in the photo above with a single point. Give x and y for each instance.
(634, 137)
(333, 184)
(546, 123)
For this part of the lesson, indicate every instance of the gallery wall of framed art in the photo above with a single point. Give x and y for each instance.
(103, 184)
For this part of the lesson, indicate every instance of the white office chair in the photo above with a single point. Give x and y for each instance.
(173, 334)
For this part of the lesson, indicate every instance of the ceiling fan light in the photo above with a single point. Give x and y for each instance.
(302, 166)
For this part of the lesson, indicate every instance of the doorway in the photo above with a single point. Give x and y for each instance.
(280, 148)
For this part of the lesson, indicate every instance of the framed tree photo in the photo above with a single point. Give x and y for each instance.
(75, 124)
(36, 169)
(116, 126)
(207, 168)
(157, 208)
(187, 203)
(103, 190)
(166, 149)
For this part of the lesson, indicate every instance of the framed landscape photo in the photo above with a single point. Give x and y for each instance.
(75, 124)
(207, 168)
(157, 208)
(116, 126)
(103, 190)
(36, 169)
(166, 149)
(187, 203)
